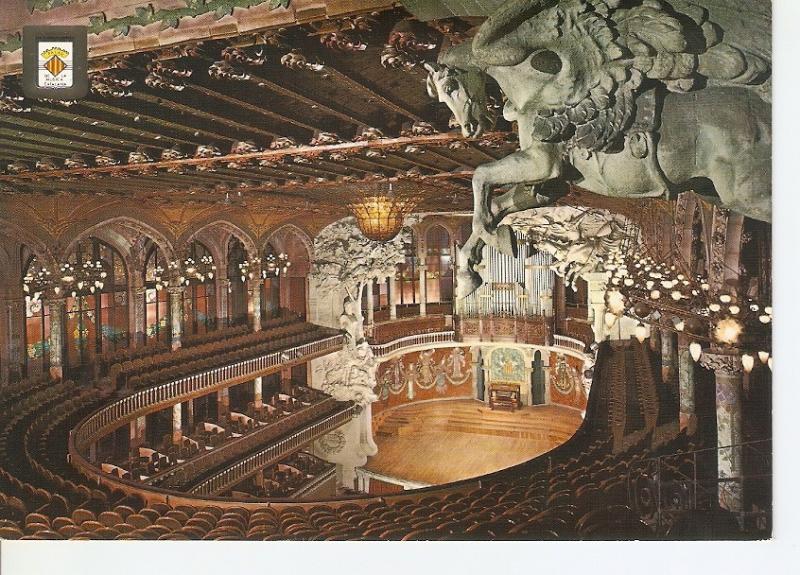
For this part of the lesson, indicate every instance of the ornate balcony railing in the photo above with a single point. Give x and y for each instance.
(144, 401)
(534, 330)
(412, 341)
(569, 343)
(386, 332)
(177, 476)
(230, 476)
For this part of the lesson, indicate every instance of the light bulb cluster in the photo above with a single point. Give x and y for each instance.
(275, 265)
(645, 288)
(244, 269)
(83, 278)
(201, 271)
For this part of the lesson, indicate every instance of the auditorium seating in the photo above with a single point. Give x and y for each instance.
(278, 334)
(285, 478)
(582, 490)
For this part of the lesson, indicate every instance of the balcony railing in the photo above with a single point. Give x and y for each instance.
(227, 478)
(312, 485)
(412, 341)
(569, 343)
(177, 476)
(145, 400)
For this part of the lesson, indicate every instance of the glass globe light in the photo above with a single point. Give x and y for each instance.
(728, 331)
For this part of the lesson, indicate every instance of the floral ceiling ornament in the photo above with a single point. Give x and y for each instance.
(110, 84)
(405, 44)
(296, 60)
(166, 76)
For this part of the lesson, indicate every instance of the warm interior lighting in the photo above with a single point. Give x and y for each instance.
(747, 362)
(380, 207)
(727, 331)
(763, 356)
(640, 333)
(380, 218)
(695, 350)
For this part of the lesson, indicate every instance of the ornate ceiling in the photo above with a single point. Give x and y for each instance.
(274, 126)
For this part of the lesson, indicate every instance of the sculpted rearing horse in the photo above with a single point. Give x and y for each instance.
(636, 98)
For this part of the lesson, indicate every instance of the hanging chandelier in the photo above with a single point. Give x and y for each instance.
(646, 288)
(37, 280)
(275, 265)
(82, 278)
(200, 271)
(79, 278)
(244, 269)
(380, 207)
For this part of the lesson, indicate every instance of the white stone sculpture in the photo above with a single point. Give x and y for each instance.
(345, 259)
(578, 238)
(350, 375)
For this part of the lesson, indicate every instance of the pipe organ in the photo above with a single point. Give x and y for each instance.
(521, 286)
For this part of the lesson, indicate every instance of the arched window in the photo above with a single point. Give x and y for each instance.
(199, 298)
(407, 277)
(96, 321)
(237, 297)
(438, 260)
(271, 286)
(37, 326)
(699, 262)
(156, 299)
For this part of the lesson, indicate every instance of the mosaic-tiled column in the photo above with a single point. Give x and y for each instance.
(686, 383)
(176, 314)
(177, 431)
(15, 335)
(222, 301)
(727, 369)
(139, 328)
(370, 306)
(669, 358)
(55, 342)
(254, 304)
(258, 398)
(423, 289)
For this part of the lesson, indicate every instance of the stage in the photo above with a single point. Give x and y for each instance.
(436, 442)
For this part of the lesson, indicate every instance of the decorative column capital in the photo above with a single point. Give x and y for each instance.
(721, 362)
(175, 290)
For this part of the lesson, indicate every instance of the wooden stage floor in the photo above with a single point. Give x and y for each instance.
(441, 441)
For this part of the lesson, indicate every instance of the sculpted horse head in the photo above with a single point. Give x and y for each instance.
(599, 86)
(464, 92)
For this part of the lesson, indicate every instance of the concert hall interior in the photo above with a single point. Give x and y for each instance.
(389, 270)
